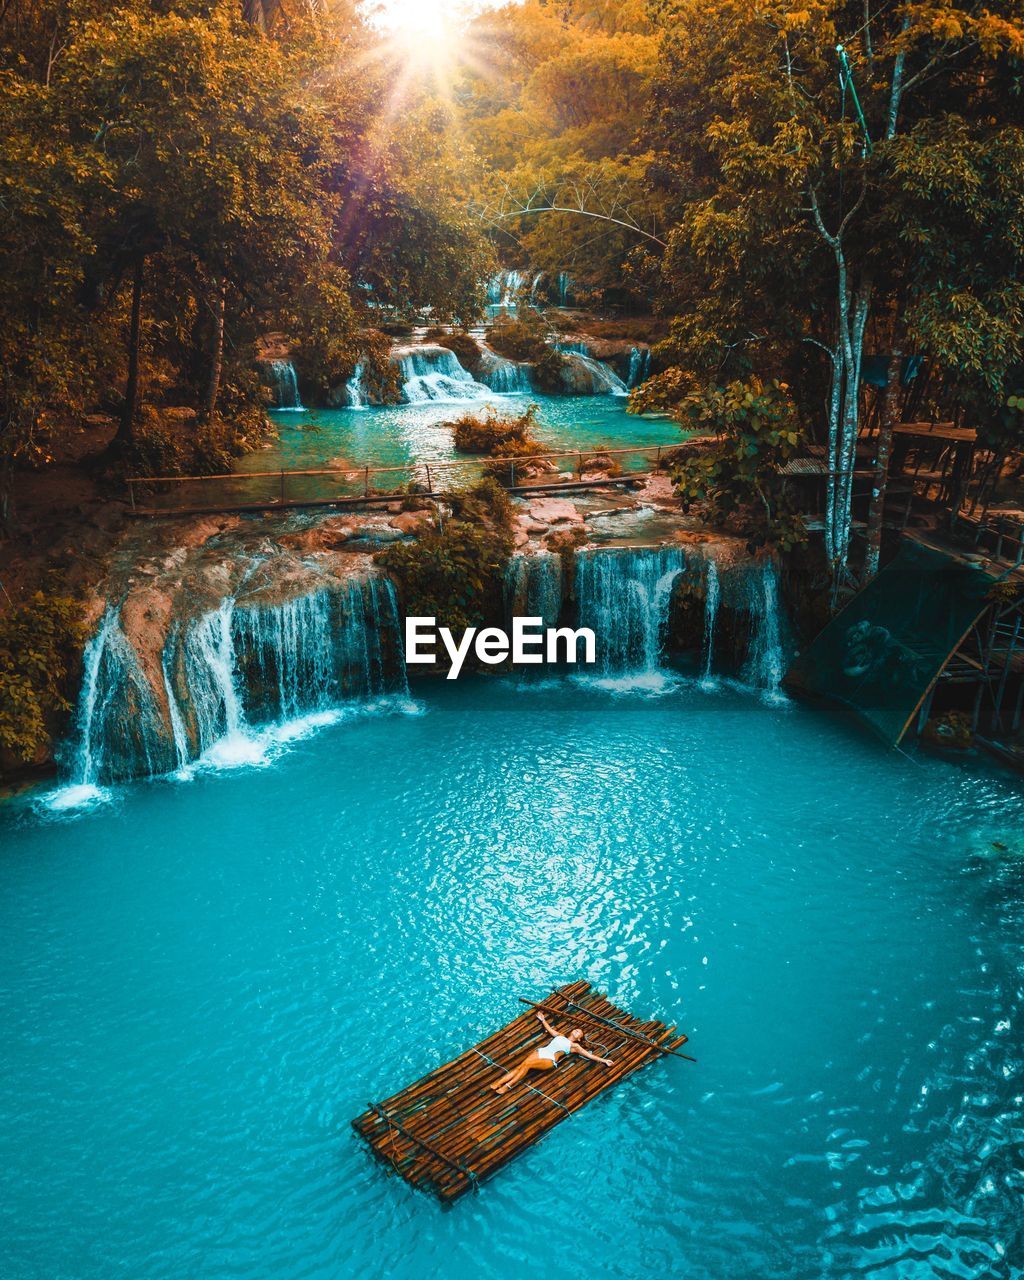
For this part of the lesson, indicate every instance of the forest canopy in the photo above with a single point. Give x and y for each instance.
(179, 179)
(788, 190)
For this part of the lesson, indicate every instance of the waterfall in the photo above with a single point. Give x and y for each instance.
(572, 346)
(564, 286)
(286, 386)
(506, 377)
(533, 587)
(287, 653)
(600, 379)
(230, 684)
(355, 391)
(765, 665)
(514, 281)
(503, 290)
(246, 666)
(712, 596)
(639, 365)
(432, 372)
(535, 286)
(118, 726)
(624, 596)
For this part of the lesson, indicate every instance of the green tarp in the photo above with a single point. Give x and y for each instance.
(881, 654)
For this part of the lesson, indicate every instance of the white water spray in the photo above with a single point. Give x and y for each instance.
(286, 386)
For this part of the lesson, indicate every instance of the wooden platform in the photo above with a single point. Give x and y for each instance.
(448, 1131)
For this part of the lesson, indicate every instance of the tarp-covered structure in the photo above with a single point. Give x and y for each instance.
(882, 654)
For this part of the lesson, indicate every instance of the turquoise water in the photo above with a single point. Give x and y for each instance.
(395, 435)
(202, 982)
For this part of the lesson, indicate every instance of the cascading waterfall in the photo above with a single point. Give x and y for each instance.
(564, 288)
(604, 381)
(592, 376)
(625, 596)
(639, 366)
(355, 390)
(514, 281)
(286, 653)
(205, 689)
(766, 664)
(533, 587)
(538, 280)
(432, 372)
(230, 683)
(503, 289)
(506, 377)
(286, 386)
(572, 347)
(118, 727)
(712, 597)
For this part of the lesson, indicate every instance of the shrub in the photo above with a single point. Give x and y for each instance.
(490, 431)
(735, 477)
(40, 642)
(466, 348)
(547, 371)
(649, 329)
(519, 337)
(455, 573)
(166, 445)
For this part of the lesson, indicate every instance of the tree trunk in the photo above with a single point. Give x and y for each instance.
(209, 404)
(125, 430)
(876, 508)
(853, 316)
(834, 404)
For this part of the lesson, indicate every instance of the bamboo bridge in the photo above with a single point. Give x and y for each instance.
(290, 490)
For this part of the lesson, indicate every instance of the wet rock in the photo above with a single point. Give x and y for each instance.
(145, 621)
(548, 511)
(413, 522)
(326, 535)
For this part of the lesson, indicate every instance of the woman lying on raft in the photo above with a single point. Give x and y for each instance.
(548, 1056)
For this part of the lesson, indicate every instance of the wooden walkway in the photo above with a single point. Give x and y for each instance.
(448, 1131)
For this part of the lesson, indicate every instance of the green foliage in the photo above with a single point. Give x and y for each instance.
(736, 480)
(40, 642)
(465, 346)
(522, 336)
(558, 118)
(455, 571)
(548, 368)
(165, 445)
(525, 336)
(227, 171)
(494, 433)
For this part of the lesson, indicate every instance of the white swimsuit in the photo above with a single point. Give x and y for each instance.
(560, 1044)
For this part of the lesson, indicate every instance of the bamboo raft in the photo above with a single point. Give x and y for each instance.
(448, 1131)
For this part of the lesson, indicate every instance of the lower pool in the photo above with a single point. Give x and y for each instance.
(202, 982)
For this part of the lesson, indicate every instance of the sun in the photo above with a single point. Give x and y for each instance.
(428, 41)
(428, 16)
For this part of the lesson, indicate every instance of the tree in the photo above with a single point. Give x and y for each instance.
(555, 115)
(778, 130)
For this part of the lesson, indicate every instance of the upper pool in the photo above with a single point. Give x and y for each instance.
(395, 435)
(202, 982)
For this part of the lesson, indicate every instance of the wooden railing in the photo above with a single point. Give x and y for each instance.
(1000, 535)
(330, 486)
